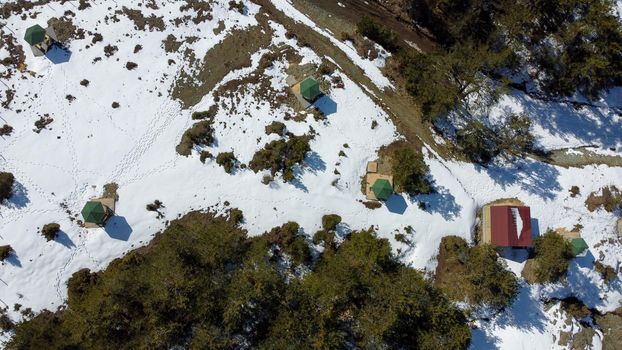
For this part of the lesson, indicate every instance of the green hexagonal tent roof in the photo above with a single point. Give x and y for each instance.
(34, 34)
(310, 89)
(578, 246)
(382, 189)
(94, 212)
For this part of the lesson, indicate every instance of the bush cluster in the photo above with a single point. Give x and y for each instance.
(474, 274)
(200, 134)
(226, 160)
(5, 252)
(203, 284)
(50, 231)
(281, 155)
(275, 127)
(6, 185)
(552, 257)
(409, 171)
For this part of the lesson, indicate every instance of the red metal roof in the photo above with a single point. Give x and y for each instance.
(504, 226)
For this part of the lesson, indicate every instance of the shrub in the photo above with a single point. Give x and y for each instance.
(7, 180)
(553, 253)
(327, 237)
(97, 37)
(608, 273)
(275, 128)
(110, 50)
(209, 114)
(6, 130)
(205, 155)
(131, 65)
(155, 206)
(42, 123)
(50, 231)
(474, 274)
(5, 252)
(236, 216)
(409, 171)
(281, 155)
(378, 33)
(6, 324)
(574, 191)
(227, 160)
(200, 134)
(330, 222)
(288, 238)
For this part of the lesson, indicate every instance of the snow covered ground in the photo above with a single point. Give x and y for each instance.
(90, 144)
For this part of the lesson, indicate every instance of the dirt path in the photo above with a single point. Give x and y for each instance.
(351, 11)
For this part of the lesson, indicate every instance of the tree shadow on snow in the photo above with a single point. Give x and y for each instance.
(440, 201)
(525, 313)
(535, 228)
(58, 54)
(518, 255)
(534, 177)
(19, 197)
(326, 105)
(396, 204)
(588, 124)
(13, 260)
(480, 339)
(314, 162)
(118, 228)
(579, 282)
(64, 239)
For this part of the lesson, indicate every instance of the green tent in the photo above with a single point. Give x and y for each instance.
(310, 89)
(578, 246)
(35, 35)
(382, 189)
(94, 212)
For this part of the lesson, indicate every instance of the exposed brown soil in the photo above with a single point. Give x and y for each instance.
(234, 52)
(354, 10)
(609, 198)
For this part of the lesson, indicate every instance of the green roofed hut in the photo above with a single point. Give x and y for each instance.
(35, 35)
(578, 246)
(95, 212)
(382, 189)
(310, 89)
(40, 39)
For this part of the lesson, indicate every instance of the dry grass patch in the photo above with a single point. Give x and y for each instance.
(610, 198)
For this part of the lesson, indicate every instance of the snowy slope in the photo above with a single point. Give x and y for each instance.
(90, 144)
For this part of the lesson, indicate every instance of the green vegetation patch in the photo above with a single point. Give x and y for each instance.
(202, 283)
(200, 134)
(553, 253)
(409, 171)
(474, 274)
(50, 231)
(281, 155)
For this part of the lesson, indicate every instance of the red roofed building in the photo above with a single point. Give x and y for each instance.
(510, 226)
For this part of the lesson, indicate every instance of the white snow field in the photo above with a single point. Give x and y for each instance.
(90, 144)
